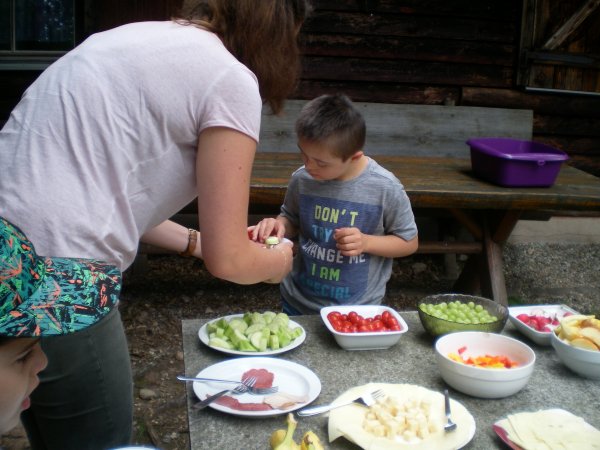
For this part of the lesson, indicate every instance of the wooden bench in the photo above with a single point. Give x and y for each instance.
(425, 147)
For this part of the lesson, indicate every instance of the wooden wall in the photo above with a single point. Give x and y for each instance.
(438, 52)
(406, 51)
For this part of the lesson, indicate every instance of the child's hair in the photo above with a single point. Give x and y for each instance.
(334, 120)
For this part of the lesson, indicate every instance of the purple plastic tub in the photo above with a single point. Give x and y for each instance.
(514, 162)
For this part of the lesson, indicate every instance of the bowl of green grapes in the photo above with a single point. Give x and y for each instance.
(448, 313)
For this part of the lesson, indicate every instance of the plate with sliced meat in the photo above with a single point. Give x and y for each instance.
(297, 386)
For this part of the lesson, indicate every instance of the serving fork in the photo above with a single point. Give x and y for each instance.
(250, 390)
(367, 399)
(241, 388)
(450, 425)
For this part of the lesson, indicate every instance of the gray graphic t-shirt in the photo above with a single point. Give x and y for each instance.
(374, 202)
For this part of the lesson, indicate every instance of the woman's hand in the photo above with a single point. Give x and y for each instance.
(286, 249)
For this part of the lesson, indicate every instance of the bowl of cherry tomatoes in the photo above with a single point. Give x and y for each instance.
(364, 327)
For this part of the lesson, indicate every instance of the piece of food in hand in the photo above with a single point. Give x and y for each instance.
(271, 241)
(283, 400)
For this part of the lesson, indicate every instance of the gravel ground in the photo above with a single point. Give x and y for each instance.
(173, 288)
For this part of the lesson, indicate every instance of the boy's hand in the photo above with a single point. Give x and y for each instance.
(350, 241)
(265, 228)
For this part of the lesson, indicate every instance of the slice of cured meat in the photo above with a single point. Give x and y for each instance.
(264, 378)
(234, 403)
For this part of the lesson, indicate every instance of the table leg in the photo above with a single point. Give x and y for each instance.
(485, 273)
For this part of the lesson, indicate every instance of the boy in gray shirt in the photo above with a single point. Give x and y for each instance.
(350, 215)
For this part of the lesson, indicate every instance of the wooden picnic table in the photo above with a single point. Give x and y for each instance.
(448, 186)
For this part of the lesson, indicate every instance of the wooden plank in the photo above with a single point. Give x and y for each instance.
(489, 9)
(443, 247)
(574, 146)
(493, 284)
(379, 92)
(570, 25)
(541, 103)
(406, 71)
(424, 49)
(442, 183)
(423, 130)
(417, 26)
(579, 127)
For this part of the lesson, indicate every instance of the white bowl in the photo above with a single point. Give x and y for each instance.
(375, 340)
(484, 382)
(539, 337)
(581, 361)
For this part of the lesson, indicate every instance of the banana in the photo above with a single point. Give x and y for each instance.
(277, 438)
(310, 441)
(287, 443)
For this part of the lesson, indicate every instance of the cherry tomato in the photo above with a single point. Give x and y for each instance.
(334, 315)
(377, 325)
(353, 317)
(352, 322)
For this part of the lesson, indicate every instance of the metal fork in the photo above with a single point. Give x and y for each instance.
(450, 426)
(251, 390)
(239, 389)
(367, 399)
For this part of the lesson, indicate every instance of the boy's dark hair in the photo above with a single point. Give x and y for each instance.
(335, 120)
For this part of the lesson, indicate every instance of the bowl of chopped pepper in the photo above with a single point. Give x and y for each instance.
(484, 365)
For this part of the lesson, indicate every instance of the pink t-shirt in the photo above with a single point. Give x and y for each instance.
(102, 146)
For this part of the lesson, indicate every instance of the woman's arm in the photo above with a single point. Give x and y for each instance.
(171, 236)
(223, 171)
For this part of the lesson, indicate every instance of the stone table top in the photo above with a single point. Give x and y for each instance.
(411, 360)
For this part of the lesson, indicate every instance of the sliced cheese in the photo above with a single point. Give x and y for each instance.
(553, 429)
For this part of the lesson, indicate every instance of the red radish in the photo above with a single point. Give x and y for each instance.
(523, 318)
(541, 320)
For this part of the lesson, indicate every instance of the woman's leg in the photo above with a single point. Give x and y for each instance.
(85, 398)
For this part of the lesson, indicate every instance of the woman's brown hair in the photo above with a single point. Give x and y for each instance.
(261, 34)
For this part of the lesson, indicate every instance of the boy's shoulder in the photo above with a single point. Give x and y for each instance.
(377, 170)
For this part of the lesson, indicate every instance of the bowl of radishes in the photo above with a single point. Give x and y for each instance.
(537, 321)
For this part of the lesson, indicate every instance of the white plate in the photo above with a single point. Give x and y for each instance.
(347, 422)
(290, 377)
(539, 337)
(203, 335)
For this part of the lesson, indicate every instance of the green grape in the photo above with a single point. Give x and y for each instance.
(459, 312)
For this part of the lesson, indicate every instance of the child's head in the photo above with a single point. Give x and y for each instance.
(334, 123)
(39, 297)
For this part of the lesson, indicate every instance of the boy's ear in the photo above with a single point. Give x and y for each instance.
(359, 154)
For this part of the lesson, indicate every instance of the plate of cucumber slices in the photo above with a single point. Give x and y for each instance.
(252, 334)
